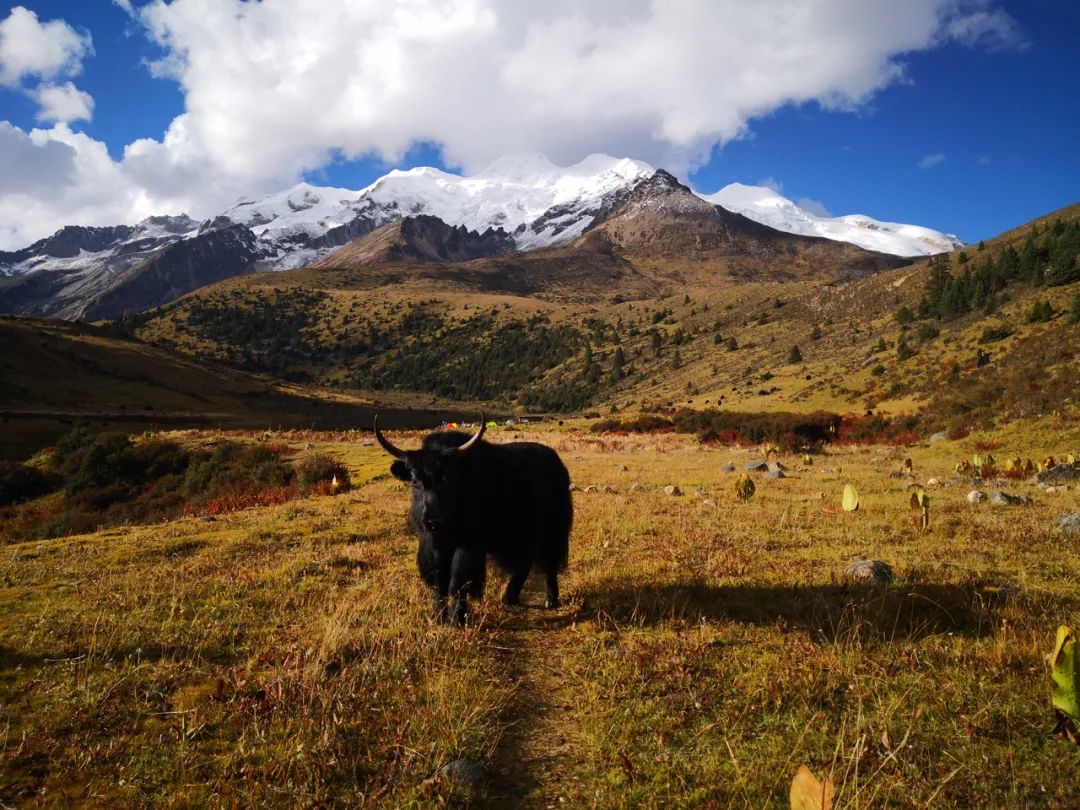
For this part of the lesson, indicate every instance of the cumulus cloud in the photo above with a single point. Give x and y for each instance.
(63, 103)
(273, 90)
(931, 160)
(30, 48)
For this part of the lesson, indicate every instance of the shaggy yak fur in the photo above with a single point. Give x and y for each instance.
(472, 500)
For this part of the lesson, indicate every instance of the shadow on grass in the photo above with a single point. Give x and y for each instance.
(836, 611)
(11, 659)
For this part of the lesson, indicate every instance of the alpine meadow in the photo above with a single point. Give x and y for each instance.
(371, 436)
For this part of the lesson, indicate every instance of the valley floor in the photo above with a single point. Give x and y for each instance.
(707, 648)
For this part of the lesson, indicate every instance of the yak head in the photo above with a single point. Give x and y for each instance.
(436, 475)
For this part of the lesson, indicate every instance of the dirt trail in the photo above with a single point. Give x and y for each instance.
(539, 758)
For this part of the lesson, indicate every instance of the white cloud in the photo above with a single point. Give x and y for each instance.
(63, 103)
(931, 160)
(773, 183)
(30, 48)
(815, 207)
(273, 90)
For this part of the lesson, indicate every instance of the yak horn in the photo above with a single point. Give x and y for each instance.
(389, 448)
(476, 436)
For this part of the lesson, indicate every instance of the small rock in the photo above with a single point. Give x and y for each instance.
(774, 475)
(728, 468)
(637, 487)
(1070, 523)
(309, 446)
(608, 488)
(709, 502)
(622, 468)
(932, 482)
(700, 492)
(976, 497)
(999, 498)
(776, 466)
(869, 571)
(573, 487)
(897, 475)
(467, 772)
(367, 443)
(671, 489)
(590, 489)
(938, 437)
(755, 466)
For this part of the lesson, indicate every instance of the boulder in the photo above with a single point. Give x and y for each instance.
(776, 466)
(773, 475)
(728, 468)
(874, 571)
(1070, 523)
(755, 466)
(1058, 474)
(671, 489)
(976, 497)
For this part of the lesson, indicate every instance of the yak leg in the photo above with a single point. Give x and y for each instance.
(466, 577)
(552, 600)
(512, 595)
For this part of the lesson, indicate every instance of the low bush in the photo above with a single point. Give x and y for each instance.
(19, 483)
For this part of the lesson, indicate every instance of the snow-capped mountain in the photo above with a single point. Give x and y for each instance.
(770, 208)
(525, 200)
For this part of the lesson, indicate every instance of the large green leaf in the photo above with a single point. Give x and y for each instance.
(1065, 676)
(850, 501)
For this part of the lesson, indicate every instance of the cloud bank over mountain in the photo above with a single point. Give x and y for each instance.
(273, 90)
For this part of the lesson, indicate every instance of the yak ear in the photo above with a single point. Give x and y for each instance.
(400, 471)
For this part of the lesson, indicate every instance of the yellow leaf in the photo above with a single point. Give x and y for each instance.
(807, 793)
(850, 501)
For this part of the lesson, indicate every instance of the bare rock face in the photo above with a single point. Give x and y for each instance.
(872, 571)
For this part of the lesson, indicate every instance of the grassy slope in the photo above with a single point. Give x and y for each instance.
(57, 374)
(281, 656)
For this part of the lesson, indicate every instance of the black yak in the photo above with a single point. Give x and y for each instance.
(471, 500)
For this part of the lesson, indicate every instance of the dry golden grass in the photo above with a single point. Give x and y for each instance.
(283, 656)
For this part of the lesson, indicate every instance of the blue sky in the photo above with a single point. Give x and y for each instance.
(977, 135)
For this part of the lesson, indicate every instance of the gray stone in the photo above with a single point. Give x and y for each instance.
(938, 437)
(755, 466)
(874, 571)
(637, 487)
(999, 498)
(467, 772)
(671, 489)
(573, 487)
(590, 489)
(976, 497)
(1070, 523)
(728, 468)
(776, 466)
(1058, 474)
(622, 468)
(774, 475)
